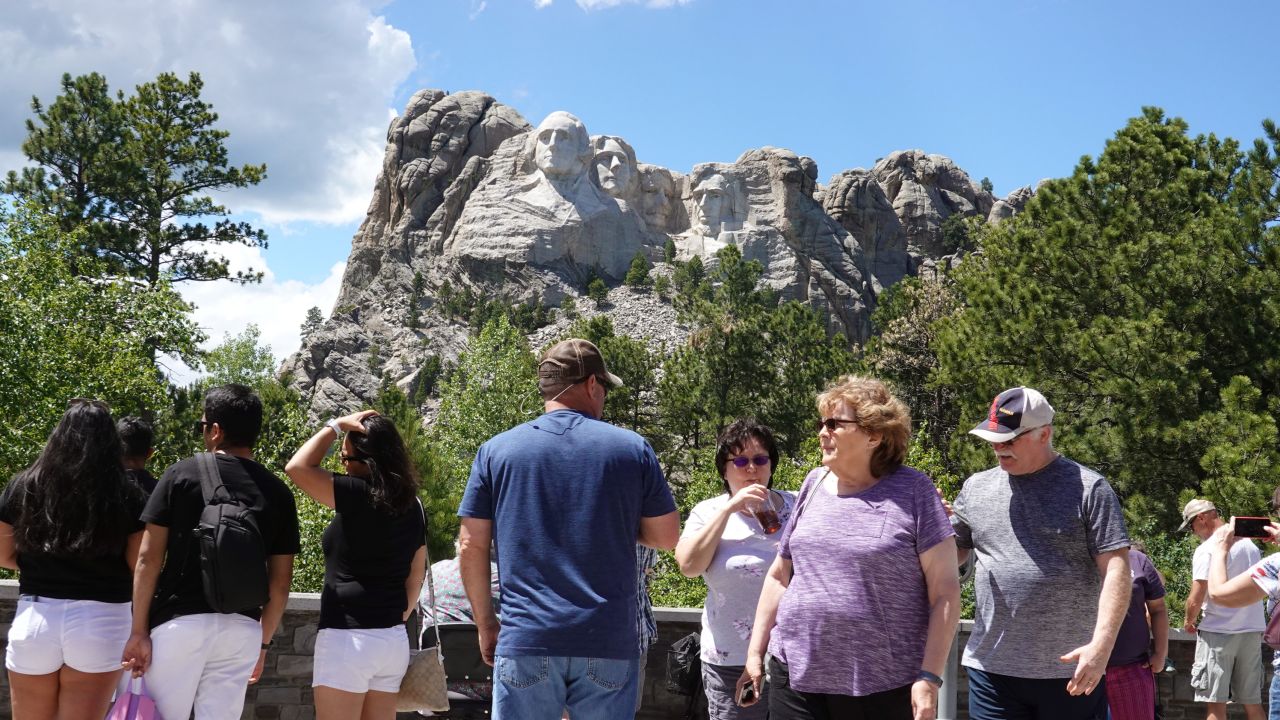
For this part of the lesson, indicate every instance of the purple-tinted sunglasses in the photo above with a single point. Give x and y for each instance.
(742, 461)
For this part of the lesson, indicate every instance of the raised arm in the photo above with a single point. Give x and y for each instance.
(695, 551)
(304, 467)
(1233, 592)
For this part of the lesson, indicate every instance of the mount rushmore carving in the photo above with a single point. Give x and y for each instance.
(472, 195)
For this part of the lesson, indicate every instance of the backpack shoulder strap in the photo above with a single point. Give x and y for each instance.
(210, 479)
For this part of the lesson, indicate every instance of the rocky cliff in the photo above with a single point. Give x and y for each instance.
(473, 201)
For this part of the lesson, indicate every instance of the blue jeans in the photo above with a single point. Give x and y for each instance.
(1273, 701)
(535, 687)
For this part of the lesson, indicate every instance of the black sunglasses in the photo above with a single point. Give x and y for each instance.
(742, 461)
(832, 423)
(200, 425)
(353, 458)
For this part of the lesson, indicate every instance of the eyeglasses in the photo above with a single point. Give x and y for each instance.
(200, 425)
(88, 401)
(1017, 437)
(832, 423)
(354, 458)
(742, 461)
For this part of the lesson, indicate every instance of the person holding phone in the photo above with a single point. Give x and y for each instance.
(1228, 664)
(729, 547)
(859, 609)
(1261, 582)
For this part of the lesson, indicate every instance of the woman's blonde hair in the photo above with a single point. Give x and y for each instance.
(876, 411)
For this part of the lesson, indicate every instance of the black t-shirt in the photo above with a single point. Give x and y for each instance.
(177, 503)
(144, 478)
(367, 553)
(102, 577)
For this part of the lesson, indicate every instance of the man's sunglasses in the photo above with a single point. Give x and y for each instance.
(200, 425)
(354, 458)
(742, 461)
(832, 423)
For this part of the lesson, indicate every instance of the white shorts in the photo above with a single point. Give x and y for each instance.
(85, 635)
(358, 661)
(202, 662)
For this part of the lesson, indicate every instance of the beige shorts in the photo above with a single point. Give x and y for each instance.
(1228, 668)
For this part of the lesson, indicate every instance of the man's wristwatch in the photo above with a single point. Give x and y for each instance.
(929, 677)
(333, 425)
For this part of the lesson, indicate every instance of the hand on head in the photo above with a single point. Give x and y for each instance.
(355, 421)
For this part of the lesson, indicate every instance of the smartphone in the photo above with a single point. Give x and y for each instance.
(748, 694)
(1252, 527)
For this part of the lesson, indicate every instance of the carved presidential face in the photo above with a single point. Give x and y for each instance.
(712, 199)
(613, 169)
(657, 191)
(561, 145)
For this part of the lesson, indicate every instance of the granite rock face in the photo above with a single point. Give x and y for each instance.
(473, 199)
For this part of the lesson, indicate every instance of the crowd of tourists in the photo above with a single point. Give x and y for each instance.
(840, 600)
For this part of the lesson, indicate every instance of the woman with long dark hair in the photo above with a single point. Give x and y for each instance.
(69, 525)
(374, 564)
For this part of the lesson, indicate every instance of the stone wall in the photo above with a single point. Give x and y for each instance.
(285, 690)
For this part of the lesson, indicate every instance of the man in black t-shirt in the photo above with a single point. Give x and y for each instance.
(137, 437)
(194, 657)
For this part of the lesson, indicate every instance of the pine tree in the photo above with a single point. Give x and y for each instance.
(312, 324)
(415, 300)
(638, 274)
(1133, 293)
(134, 171)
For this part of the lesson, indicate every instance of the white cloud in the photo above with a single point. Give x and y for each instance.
(303, 86)
(276, 307)
(476, 9)
(539, 4)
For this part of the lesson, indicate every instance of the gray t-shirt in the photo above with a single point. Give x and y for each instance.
(1035, 537)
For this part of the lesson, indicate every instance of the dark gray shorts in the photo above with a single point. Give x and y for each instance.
(719, 682)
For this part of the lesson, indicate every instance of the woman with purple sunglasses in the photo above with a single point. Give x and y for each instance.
(731, 540)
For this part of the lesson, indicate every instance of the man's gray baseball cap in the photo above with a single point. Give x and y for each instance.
(1014, 412)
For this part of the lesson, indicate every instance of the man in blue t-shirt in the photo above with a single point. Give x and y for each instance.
(566, 498)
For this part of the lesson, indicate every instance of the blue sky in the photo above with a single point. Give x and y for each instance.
(1011, 91)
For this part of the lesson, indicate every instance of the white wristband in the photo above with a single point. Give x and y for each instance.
(333, 425)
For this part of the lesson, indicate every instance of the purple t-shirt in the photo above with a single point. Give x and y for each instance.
(854, 618)
(1133, 642)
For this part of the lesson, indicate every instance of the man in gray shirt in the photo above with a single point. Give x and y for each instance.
(1052, 574)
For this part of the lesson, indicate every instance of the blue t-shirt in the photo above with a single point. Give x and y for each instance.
(566, 493)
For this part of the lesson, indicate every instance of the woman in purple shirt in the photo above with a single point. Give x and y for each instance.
(859, 609)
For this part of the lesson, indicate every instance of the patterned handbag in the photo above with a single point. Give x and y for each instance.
(423, 687)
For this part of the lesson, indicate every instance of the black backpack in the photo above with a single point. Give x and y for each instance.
(233, 556)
